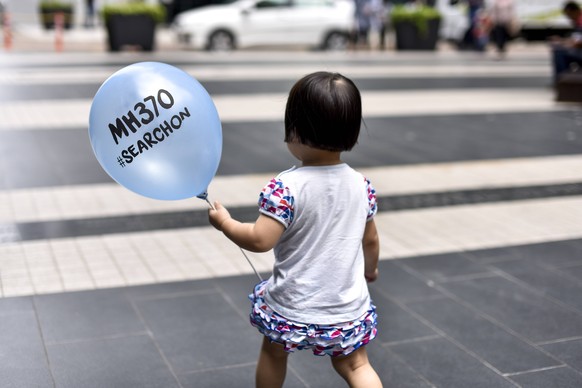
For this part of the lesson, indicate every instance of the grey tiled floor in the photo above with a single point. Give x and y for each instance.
(489, 318)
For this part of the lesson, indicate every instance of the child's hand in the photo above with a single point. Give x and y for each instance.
(371, 276)
(218, 215)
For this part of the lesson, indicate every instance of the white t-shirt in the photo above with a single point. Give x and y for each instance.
(318, 276)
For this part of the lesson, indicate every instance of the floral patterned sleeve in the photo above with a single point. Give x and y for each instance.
(275, 201)
(373, 206)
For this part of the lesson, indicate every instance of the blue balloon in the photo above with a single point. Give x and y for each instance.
(155, 130)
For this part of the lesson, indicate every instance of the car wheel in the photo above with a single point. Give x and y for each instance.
(336, 41)
(221, 40)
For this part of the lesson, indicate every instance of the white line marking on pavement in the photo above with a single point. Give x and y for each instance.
(37, 267)
(88, 201)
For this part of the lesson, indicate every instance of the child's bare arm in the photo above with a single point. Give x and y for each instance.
(261, 236)
(371, 245)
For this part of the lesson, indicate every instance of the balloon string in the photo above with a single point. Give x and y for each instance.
(251, 264)
(243, 252)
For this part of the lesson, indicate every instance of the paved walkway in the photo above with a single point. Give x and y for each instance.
(479, 176)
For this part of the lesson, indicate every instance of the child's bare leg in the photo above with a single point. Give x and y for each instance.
(356, 370)
(272, 365)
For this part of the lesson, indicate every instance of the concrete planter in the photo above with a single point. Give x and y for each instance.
(131, 30)
(409, 37)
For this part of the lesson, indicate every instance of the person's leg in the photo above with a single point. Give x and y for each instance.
(560, 62)
(574, 57)
(496, 37)
(503, 38)
(356, 370)
(382, 33)
(272, 365)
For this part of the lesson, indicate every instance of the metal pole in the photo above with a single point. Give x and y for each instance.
(59, 27)
(7, 31)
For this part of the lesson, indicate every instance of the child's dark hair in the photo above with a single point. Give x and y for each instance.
(324, 111)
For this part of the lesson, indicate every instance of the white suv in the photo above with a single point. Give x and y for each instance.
(243, 23)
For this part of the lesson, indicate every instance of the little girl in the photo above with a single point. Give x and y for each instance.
(319, 218)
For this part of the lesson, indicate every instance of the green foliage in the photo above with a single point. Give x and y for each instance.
(546, 15)
(155, 11)
(52, 5)
(419, 15)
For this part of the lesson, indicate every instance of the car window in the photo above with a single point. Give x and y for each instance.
(272, 3)
(311, 3)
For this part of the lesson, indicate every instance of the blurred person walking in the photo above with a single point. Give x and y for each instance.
(473, 35)
(363, 23)
(503, 18)
(89, 13)
(378, 19)
(481, 30)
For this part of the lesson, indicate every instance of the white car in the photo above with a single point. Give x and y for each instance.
(243, 23)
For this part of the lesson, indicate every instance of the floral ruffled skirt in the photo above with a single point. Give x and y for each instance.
(333, 340)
